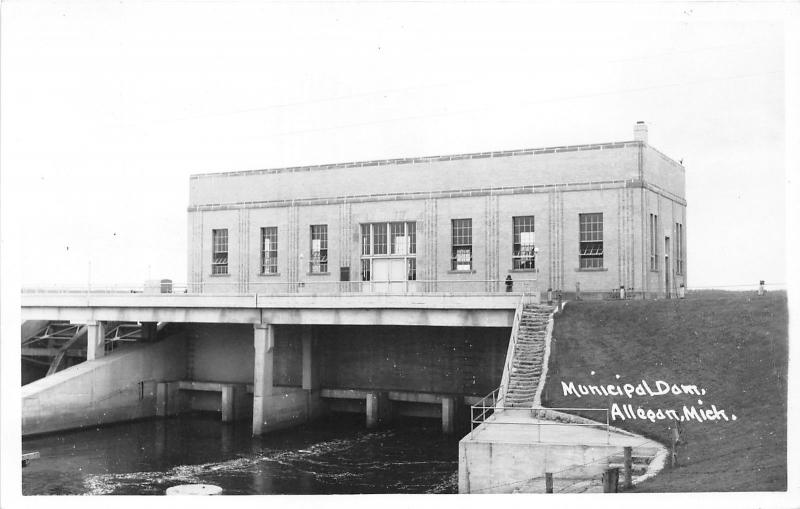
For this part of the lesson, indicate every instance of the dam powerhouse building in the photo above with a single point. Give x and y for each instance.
(590, 218)
(378, 287)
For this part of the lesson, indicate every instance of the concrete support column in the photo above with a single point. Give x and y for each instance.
(310, 361)
(448, 415)
(228, 403)
(264, 343)
(95, 340)
(167, 399)
(378, 410)
(149, 331)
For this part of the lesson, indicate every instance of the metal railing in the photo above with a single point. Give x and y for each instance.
(307, 287)
(489, 406)
(512, 345)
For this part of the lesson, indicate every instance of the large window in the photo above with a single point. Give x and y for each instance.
(219, 257)
(679, 248)
(591, 240)
(319, 249)
(653, 230)
(523, 255)
(388, 240)
(269, 250)
(462, 244)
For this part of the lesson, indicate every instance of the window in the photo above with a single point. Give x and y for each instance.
(679, 248)
(219, 257)
(319, 248)
(462, 244)
(269, 250)
(522, 254)
(591, 240)
(388, 240)
(653, 227)
(379, 238)
(366, 272)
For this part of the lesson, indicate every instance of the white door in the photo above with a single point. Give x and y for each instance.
(397, 275)
(388, 275)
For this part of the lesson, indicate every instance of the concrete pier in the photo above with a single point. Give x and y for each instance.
(264, 343)
(449, 415)
(167, 399)
(378, 409)
(95, 340)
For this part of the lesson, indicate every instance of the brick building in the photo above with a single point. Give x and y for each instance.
(599, 216)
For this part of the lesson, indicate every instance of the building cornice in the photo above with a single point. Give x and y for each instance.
(426, 159)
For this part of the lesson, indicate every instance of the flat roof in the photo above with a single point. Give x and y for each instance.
(428, 159)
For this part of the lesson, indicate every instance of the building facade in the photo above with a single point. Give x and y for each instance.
(591, 217)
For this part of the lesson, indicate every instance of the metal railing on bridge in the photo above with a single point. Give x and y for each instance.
(389, 287)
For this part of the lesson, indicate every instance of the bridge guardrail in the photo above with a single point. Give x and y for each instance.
(390, 287)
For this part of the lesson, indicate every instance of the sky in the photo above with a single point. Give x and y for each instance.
(108, 107)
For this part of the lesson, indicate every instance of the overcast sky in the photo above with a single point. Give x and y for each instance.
(108, 107)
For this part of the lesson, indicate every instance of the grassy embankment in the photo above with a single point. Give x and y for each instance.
(734, 345)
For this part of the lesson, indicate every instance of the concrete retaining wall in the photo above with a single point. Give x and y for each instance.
(118, 387)
(497, 467)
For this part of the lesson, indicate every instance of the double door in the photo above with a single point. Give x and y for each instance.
(389, 275)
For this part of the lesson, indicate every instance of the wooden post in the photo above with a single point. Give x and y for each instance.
(548, 482)
(628, 467)
(610, 480)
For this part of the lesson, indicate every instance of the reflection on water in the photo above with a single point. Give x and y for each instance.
(334, 456)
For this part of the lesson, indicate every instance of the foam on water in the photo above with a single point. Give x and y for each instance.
(300, 460)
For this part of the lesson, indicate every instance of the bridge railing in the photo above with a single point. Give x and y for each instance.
(391, 287)
(566, 416)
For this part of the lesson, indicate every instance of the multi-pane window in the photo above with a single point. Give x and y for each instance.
(591, 240)
(319, 248)
(403, 238)
(219, 257)
(653, 230)
(366, 245)
(388, 240)
(462, 244)
(679, 248)
(379, 239)
(523, 255)
(269, 250)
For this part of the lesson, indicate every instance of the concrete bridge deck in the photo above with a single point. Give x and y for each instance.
(433, 309)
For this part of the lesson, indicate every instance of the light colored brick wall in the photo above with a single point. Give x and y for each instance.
(580, 181)
(521, 170)
(661, 171)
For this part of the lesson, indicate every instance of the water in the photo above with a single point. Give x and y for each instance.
(335, 456)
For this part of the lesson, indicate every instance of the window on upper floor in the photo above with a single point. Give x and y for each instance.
(591, 240)
(679, 248)
(319, 248)
(653, 231)
(219, 256)
(462, 244)
(523, 256)
(269, 250)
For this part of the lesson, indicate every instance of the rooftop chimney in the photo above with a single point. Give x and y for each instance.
(640, 131)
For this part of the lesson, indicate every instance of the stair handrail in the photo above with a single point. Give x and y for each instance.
(512, 344)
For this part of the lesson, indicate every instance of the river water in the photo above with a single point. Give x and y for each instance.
(335, 456)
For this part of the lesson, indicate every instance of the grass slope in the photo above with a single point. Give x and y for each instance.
(733, 344)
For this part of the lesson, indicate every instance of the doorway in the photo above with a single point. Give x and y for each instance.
(389, 275)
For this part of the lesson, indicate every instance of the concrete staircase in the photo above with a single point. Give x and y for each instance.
(527, 363)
